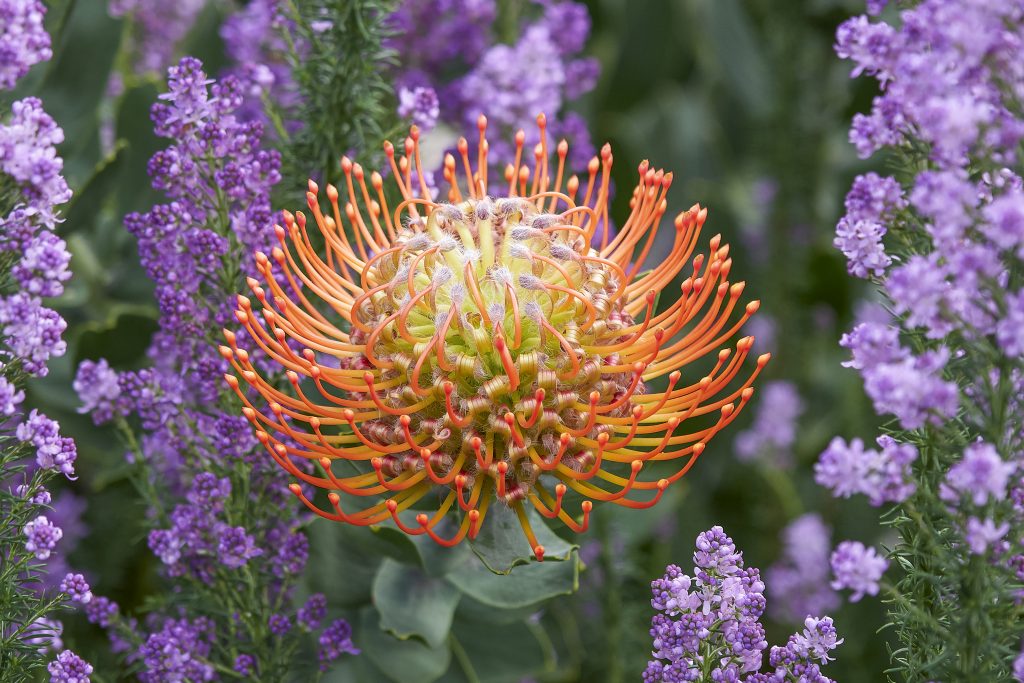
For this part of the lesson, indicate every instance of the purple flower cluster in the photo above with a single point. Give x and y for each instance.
(23, 39)
(975, 487)
(910, 387)
(69, 668)
(217, 509)
(178, 651)
(199, 539)
(798, 583)
(857, 568)
(335, 641)
(451, 67)
(157, 28)
(771, 436)
(53, 452)
(869, 204)
(708, 624)
(884, 475)
(34, 265)
(539, 73)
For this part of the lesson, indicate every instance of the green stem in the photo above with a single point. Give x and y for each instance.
(612, 605)
(463, 658)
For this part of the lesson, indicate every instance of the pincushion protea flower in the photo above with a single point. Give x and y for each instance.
(483, 349)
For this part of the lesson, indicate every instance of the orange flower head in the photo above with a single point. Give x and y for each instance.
(482, 349)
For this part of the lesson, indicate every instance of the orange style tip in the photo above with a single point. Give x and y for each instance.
(377, 463)
(763, 359)
(636, 465)
(391, 504)
(481, 122)
(243, 302)
(520, 136)
(226, 352)
(460, 479)
(539, 394)
(293, 376)
(248, 412)
(667, 180)
(723, 354)
(538, 551)
(311, 200)
(368, 378)
(728, 409)
(262, 436)
(699, 447)
(422, 519)
(565, 437)
(462, 146)
(314, 422)
(606, 150)
(229, 335)
(425, 453)
(563, 148)
(334, 498)
(673, 422)
(587, 506)
(376, 180)
(349, 415)
(346, 163)
(747, 393)
(538, 150)
(277, 254)
(650, 296)
(261, 258)
(280, 450)
(594, 397)
(542, 120)
(560, 490)
(675, 375)
(405, 420)
(502, 467)
(232, 381)
(313, 187)
(389, 149)
(593, 165)
(499, 343)
(295, 488)
(753, 306)
(737, 289)
(704, 383)
(252, 282)
(509, 418)
(332, 193)
(602, 438)
(325, 462)
(474, 515)
(476, 442)
(275, 407)
(662, 484)
(249, 375)
(241, 317)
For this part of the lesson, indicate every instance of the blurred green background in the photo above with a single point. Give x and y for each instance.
(743, 100)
